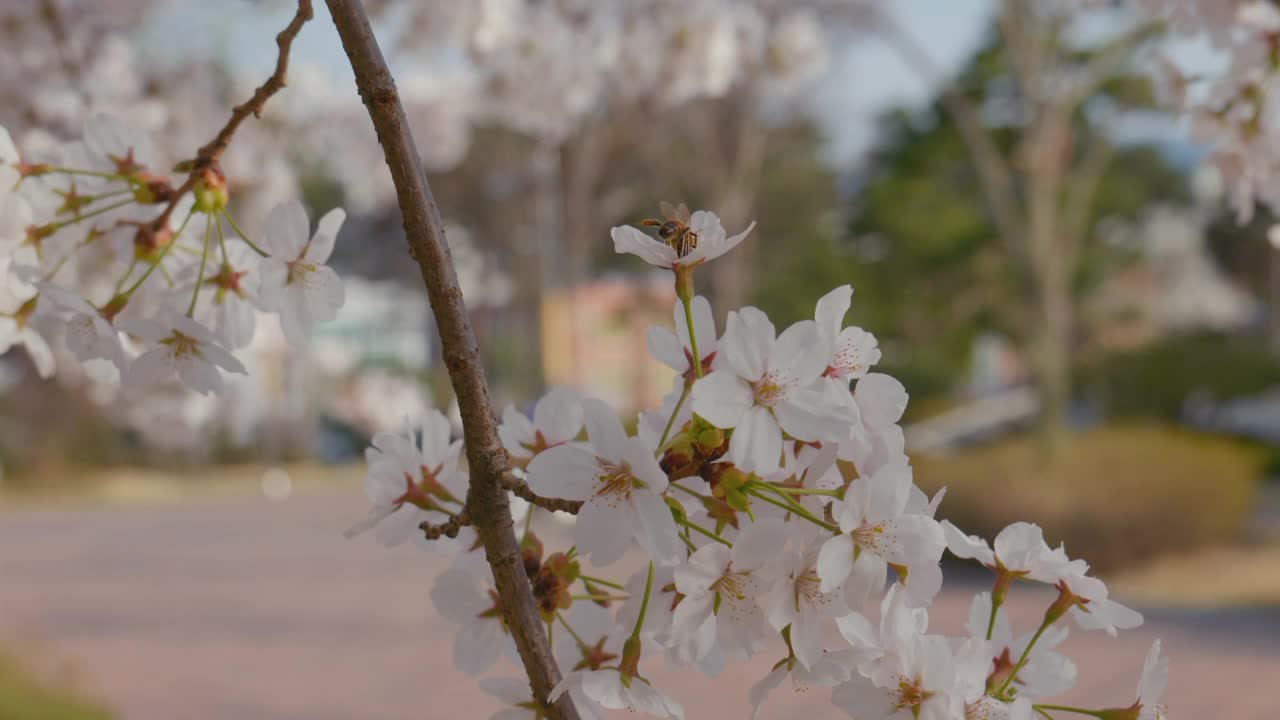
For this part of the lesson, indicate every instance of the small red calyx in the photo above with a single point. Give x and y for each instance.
(228, 280)
(594, 657)
(151, 189)
(150, 241)
(127, 165)
(113, 307)
(72, 201)
(1001, 670)
(36, 235)
(26, 170)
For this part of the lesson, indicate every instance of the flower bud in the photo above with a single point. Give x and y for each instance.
(211, 192)
(710, 439)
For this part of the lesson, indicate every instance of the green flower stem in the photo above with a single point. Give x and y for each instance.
(693, 336)
(88, 173)
(92, 213)
(1023, 661)
(594, 597)
(666, 431)
(204, 260)
(1067, 708)
(572, 633)
(804, 491)
(689, 491)
(703, 531)
(222, 241)
(644, 607)
(790, 507)
(133, 288)
(603, 582)
(243, 236)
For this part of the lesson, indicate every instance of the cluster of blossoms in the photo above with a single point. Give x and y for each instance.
(141, 277)
(774, 510)
(1236, 111)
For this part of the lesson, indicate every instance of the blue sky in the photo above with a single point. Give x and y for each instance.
(867, 76)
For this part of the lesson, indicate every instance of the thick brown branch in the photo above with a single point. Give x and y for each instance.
(522, 490)
(487, 499)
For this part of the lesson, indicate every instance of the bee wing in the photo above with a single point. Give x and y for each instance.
(682, 213)
(668, 212)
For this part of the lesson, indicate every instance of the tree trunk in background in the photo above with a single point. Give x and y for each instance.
(1047, 153)
(733, 283)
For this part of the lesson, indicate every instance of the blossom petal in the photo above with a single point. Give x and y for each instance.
(721, 398)
(627, 239)
(756, 444)
(564, 471)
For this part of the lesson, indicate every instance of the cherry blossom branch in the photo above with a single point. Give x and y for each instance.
(448, 528)
(208, 155)
(487, 499)
(272, 85)
(522, 490)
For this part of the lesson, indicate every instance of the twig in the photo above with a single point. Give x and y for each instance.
(487, 499)
(207, 156)
(448, 528)
(522, 490)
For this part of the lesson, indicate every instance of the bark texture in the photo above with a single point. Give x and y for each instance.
(487, 501)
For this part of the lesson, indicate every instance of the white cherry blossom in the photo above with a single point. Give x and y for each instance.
(608, 688)
(797, 600)
(411, 474)
(178, 345)
(765, 384)
(674, 349)
(295, 282)
(557, 419)
(1151, 687)
(621, 484)
(228, 300)
(876, 531)
(854, 350)
(468, 600)
(724, 586)
(712, 243)
(88, 335)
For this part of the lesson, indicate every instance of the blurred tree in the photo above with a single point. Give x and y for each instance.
(1015, 182)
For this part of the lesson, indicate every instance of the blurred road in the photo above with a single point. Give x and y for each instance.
(251, 609)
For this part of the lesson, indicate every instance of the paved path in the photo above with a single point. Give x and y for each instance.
(254, 610)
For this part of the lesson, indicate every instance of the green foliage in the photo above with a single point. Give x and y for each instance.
(23, 698)
(1116, 495)
(1155, 381)
(920, 247)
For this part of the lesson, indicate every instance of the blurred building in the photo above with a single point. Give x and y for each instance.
(594, 338)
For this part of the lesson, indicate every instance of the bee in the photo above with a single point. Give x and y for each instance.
(674, 229)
